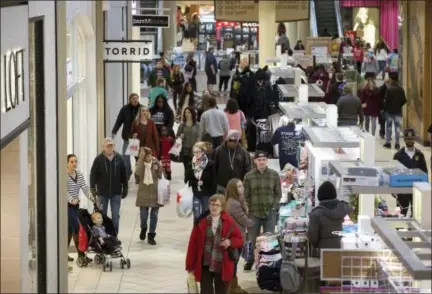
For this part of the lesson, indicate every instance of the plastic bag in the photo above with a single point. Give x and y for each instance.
(192, 284)
(163, 191)
(176, 148)
(185, 202)
(82, 239)
(133, 147)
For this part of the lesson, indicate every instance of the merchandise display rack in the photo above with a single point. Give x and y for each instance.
(335, 137)
(292, 91)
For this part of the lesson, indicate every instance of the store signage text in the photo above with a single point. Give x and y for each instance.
(250, 24)
(151, 21)
(12, 79)
(128, 51)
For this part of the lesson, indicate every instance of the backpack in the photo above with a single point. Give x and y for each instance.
(224, 66)
(289, 275)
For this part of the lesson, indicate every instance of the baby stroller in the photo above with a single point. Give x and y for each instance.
(89, 243)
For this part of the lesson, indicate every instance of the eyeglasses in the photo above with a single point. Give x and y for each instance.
(232, 141)
(218, 205)
(197, 152)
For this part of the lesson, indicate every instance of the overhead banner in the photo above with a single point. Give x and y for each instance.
(134, 51)
(151, 21)
(248, 11)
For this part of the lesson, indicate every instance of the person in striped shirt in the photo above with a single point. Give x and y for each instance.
(75, 183)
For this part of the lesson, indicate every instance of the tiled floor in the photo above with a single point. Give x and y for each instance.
(160, 268)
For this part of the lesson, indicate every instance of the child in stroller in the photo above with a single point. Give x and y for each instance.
(102, 240)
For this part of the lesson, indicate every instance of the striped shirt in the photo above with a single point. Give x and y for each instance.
(74, 185)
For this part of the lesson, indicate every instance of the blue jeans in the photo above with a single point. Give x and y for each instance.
(268, 224)
(373, 120)
(114, 202)
(396, 120)
(200, 204)
(144, 214)
(126, 159)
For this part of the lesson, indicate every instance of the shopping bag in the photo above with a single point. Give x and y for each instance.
(133, 147)
(247, 251)
(163, 191)
(82, 239)
(176, 148)
(192, 284)
(185, 202)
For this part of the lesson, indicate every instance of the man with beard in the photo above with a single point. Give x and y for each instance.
(232, 161)
(411, 158)
(125, 117)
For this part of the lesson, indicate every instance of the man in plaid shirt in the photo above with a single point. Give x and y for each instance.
(262, 193)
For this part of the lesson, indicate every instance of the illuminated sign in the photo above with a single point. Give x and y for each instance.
(151, 21)
(12, 79)
(250, 24)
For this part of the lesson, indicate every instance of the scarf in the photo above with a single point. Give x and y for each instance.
(199, 166)
(212, 252)
(148, 178)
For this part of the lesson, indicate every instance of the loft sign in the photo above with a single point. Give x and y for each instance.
(128, 51)
(12, 79)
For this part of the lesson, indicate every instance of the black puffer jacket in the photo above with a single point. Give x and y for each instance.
(208, 178)
(241, 164)
(125, 117)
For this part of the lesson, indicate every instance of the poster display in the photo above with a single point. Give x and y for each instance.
(366, 21)
(317, 42)
(248, 10)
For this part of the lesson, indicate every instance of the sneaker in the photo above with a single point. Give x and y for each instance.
(397, 146)
(248, 266)
(387, 145)
(70, 258)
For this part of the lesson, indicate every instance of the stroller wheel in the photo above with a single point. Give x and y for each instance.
(110, 266)
(81, 262)
(122, 263)
(128, 263)
(99, 259)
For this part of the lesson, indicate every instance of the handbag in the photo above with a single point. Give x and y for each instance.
(233, 253)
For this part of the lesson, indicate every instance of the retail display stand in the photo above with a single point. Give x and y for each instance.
(313, 114)
(291, 91)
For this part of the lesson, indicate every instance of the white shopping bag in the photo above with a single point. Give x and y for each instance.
(133, 147)
(176, 148)
(163, 191)
(185, 202)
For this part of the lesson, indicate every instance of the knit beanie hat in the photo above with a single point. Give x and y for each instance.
(327, 191)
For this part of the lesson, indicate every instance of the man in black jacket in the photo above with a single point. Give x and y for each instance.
(394, 100)
(382, 116)
(125, 117)
(108, 179)
(412, 158)
(232, 161)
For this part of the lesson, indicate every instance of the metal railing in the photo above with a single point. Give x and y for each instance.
(313, 20)
(338, 17)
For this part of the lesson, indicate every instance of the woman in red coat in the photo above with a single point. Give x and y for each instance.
(207, 256)
(371, 103)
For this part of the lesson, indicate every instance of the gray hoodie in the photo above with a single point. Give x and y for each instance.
(370, 64)
(325, 219)
(350, 110)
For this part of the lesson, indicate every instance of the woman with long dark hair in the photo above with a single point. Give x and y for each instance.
(190, 70)
(187, 99)
(75, 183)
(371, 103)
(237, 208)
(189, 131)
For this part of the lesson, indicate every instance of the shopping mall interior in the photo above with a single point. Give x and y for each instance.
(294, 71)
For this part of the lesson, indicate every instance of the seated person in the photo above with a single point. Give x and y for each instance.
(108, 242)
(327, 218)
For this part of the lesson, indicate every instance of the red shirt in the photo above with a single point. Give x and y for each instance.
(166, 144)
(358, 53)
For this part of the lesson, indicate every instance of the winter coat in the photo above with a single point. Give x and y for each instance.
(147, 195)
(350, 110)
(241, 164)
(225, 67)
(125, 117)
(156, 92)
(394, 99)
(177, 82)
(151, 139)
(195, 251)
(109, 177)
(370, 65)
(238, 213)
(208, 178)
(372, 100)
(159, 72)
(325, 219)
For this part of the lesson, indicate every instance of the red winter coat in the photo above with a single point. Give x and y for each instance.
(372, 100)
(195, 253)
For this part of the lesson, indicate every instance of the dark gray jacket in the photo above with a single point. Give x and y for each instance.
(350, 110)
(109, 177)
(325, 219)
(241, 164)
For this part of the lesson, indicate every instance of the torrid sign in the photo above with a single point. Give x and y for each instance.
(128, 51)
(12, 79)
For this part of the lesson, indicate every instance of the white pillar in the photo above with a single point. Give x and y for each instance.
(169, 34)
(291, 32)
(303, 31)
(267, 30)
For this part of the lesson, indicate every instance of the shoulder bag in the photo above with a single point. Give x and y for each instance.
(233, 253)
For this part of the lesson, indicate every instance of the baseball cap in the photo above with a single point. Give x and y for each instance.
(409, 133)
(233, 135)
(108, 141)
(259, 154)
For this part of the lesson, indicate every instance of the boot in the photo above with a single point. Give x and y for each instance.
(142, 235)
(232, 286)
(237, 288)
(248, 266)
(70, 258)
(80, 254)
(137, 179)
(151, 238)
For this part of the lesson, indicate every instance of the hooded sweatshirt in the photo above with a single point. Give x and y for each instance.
(241, 163)
(350, 110)
(109, 177)
(155, 92)
(370, 64)
(325, 219)
(163, 116)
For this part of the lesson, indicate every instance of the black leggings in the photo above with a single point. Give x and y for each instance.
(223, 81)
(187, 160)
(211, 283)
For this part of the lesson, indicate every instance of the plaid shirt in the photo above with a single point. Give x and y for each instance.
(262, 191)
